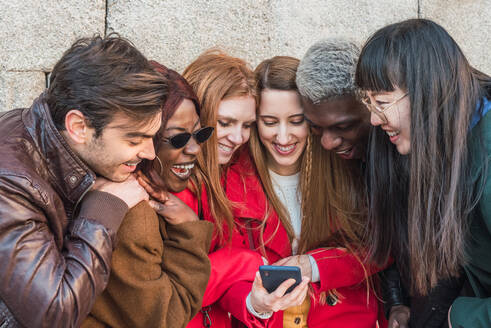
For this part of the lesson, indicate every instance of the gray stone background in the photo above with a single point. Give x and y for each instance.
(35, 33)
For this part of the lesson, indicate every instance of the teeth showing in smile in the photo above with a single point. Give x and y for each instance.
(182, 170)
(343, 151)
(225, 148)
(184, 166)
(132, 164)
(285, 148)
(392, 133)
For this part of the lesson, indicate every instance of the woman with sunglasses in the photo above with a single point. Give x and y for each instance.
(160, 266)
(429, 168)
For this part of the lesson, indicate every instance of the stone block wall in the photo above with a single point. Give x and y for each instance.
(34, 34)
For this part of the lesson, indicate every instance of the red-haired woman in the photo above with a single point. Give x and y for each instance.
(225, 87)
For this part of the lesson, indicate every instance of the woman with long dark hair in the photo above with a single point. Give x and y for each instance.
(429, 179)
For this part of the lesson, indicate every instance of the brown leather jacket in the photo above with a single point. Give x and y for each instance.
(55, 250)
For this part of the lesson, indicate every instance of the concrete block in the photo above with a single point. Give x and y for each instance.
(174, 32)
(19, 89)
(34, 34)
(296, 25)
(3, 93)
(468, 22)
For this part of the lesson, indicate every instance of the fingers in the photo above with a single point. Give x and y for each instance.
(157, 206)
(258, 283)
(128, 191)
(277, 300)
(144, 183)
(175, 200)
(161, 196)
(281, 290)
(297, 295)
(290, 261)
(294, 298)
(282, 261)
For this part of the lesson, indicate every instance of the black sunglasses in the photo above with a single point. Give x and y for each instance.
(180, 140)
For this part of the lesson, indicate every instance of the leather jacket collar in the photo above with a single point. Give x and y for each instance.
(71, 177)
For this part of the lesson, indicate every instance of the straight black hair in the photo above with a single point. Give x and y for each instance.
(420, 204)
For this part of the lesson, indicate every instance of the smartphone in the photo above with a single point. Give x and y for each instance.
(273, 275)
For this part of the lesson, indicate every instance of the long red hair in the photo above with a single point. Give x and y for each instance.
(216, 76)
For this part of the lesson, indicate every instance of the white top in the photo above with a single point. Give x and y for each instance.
(286, 189)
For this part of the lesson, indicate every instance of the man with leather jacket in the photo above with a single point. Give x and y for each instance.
(66, 180)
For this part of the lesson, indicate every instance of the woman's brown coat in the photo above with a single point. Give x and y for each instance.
(159, 273)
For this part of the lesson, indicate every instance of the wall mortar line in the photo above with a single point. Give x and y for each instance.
(105, 18)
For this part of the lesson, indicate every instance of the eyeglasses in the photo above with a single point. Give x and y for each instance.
(180, 140)
(378, 110)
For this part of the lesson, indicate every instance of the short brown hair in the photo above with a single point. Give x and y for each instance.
(102, 76)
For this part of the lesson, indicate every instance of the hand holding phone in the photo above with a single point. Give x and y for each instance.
(273, 276)
(263, 301)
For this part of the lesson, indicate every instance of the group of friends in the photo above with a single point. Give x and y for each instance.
(135, 196)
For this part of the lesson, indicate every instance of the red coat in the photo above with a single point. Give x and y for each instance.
(233, 267)
(337, 269)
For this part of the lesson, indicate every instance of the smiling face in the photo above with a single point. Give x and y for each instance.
(398, 117)
(122, 145)
(178, 164)
(343, 124)
(235, 117)
(282, 130)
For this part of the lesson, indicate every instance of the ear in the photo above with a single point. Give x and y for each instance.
(76, 127)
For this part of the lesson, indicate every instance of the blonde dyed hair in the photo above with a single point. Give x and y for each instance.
(215, 76)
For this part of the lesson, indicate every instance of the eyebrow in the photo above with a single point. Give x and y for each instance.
(234, 120)
(138, 135)
(271, 116)
(379, 93)
(346, 121)
(133, 134)
(181, 128)
(227, 118)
